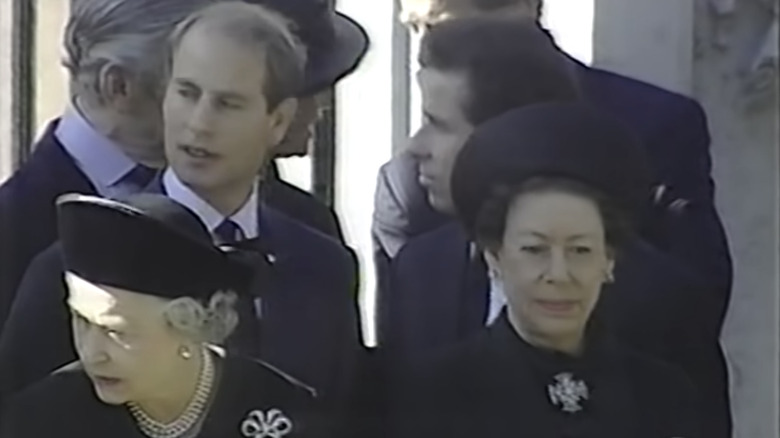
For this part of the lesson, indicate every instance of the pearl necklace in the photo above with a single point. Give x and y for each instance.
(192, 413)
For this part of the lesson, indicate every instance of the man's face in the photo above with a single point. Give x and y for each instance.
(219, 130)
(444, 131)
(298, 140)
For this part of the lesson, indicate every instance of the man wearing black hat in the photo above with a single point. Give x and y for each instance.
(437, 290)
(335, 46)
(234, 71)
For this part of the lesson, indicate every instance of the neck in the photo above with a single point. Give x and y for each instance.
(226, 200)
(104, 121)
(571, 344)
(171, 405)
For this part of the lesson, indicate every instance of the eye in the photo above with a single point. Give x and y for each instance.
(187, 93)
(582, 250)
(228, 104)
(533, 249)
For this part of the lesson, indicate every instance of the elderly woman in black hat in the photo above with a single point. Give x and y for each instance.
(549, 192)
(150, 296)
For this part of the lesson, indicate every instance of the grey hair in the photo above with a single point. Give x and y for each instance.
(210, 323)
(259, 28)
(129, 34)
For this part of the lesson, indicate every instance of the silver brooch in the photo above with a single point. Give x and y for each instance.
(567, 392)
(271, 424)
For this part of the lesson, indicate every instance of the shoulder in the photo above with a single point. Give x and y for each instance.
(665, 103)
(659, 385)
(58, 392)
(267, 378)
(303, 206)
(442, 240)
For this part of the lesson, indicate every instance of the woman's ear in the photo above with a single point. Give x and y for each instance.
(491, 258)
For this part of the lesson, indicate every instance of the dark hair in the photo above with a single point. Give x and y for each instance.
(256, 27)
(490, 223)
(508, 63)
(484, 5)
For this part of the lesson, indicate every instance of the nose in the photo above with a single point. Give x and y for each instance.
(90, 344)
(417, 146)
(558, 267)
(201, 117)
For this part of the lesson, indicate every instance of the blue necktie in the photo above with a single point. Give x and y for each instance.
(229, 232)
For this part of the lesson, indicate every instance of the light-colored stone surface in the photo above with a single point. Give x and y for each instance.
(745, 148)
(6, 156)
(674, 44)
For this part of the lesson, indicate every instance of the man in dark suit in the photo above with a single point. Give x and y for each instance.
(438, 290)
(234, 71)
(336, 45)
(684, 226)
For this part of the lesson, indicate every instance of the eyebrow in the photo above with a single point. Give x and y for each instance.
(544, 236)
(230, 95)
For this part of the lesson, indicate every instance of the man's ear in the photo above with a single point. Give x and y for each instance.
(492, 261)
(281, 118)
(116, 87)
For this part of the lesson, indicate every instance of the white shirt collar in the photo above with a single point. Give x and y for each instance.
(246, 217)
(99, 157)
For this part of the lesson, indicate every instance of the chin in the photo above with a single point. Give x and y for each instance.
(110, 397)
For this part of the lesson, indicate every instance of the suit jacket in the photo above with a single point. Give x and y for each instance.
(672, 127)
(300, 205)
(65, 404)
(497, 385)
(308, 325)
(439, 296)
(28, 222)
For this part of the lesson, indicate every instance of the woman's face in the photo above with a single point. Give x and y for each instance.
(123, 341)
(553, 260)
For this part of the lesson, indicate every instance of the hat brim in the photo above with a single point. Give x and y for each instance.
(326, 67)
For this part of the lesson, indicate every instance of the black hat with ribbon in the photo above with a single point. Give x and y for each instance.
(149, 244)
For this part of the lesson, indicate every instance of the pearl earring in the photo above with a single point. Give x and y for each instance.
(610, 276)
(185, 352)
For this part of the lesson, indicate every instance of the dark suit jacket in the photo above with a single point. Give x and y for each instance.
(439, 296)
(300, 205)
(309, 326)
(28, 221)
(674, 130)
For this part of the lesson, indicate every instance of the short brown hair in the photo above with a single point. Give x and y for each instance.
(508, 63)
(256, 26)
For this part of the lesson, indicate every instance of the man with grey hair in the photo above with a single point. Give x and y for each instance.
(234, 71)
(110, 137)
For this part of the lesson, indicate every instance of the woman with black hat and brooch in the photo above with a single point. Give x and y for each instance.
(150, 296)
(548, 192)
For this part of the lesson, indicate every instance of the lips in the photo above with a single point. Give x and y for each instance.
(105, 381)
(197, 153)
(560, 307)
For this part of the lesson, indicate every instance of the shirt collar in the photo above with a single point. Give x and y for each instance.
(99, 157)
(246, 217)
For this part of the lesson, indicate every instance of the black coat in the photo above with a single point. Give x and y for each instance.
(496, 385)
(65, 405)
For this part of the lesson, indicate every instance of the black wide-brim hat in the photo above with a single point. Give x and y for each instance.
(573, 141)
(336, 43)
(149, 244)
